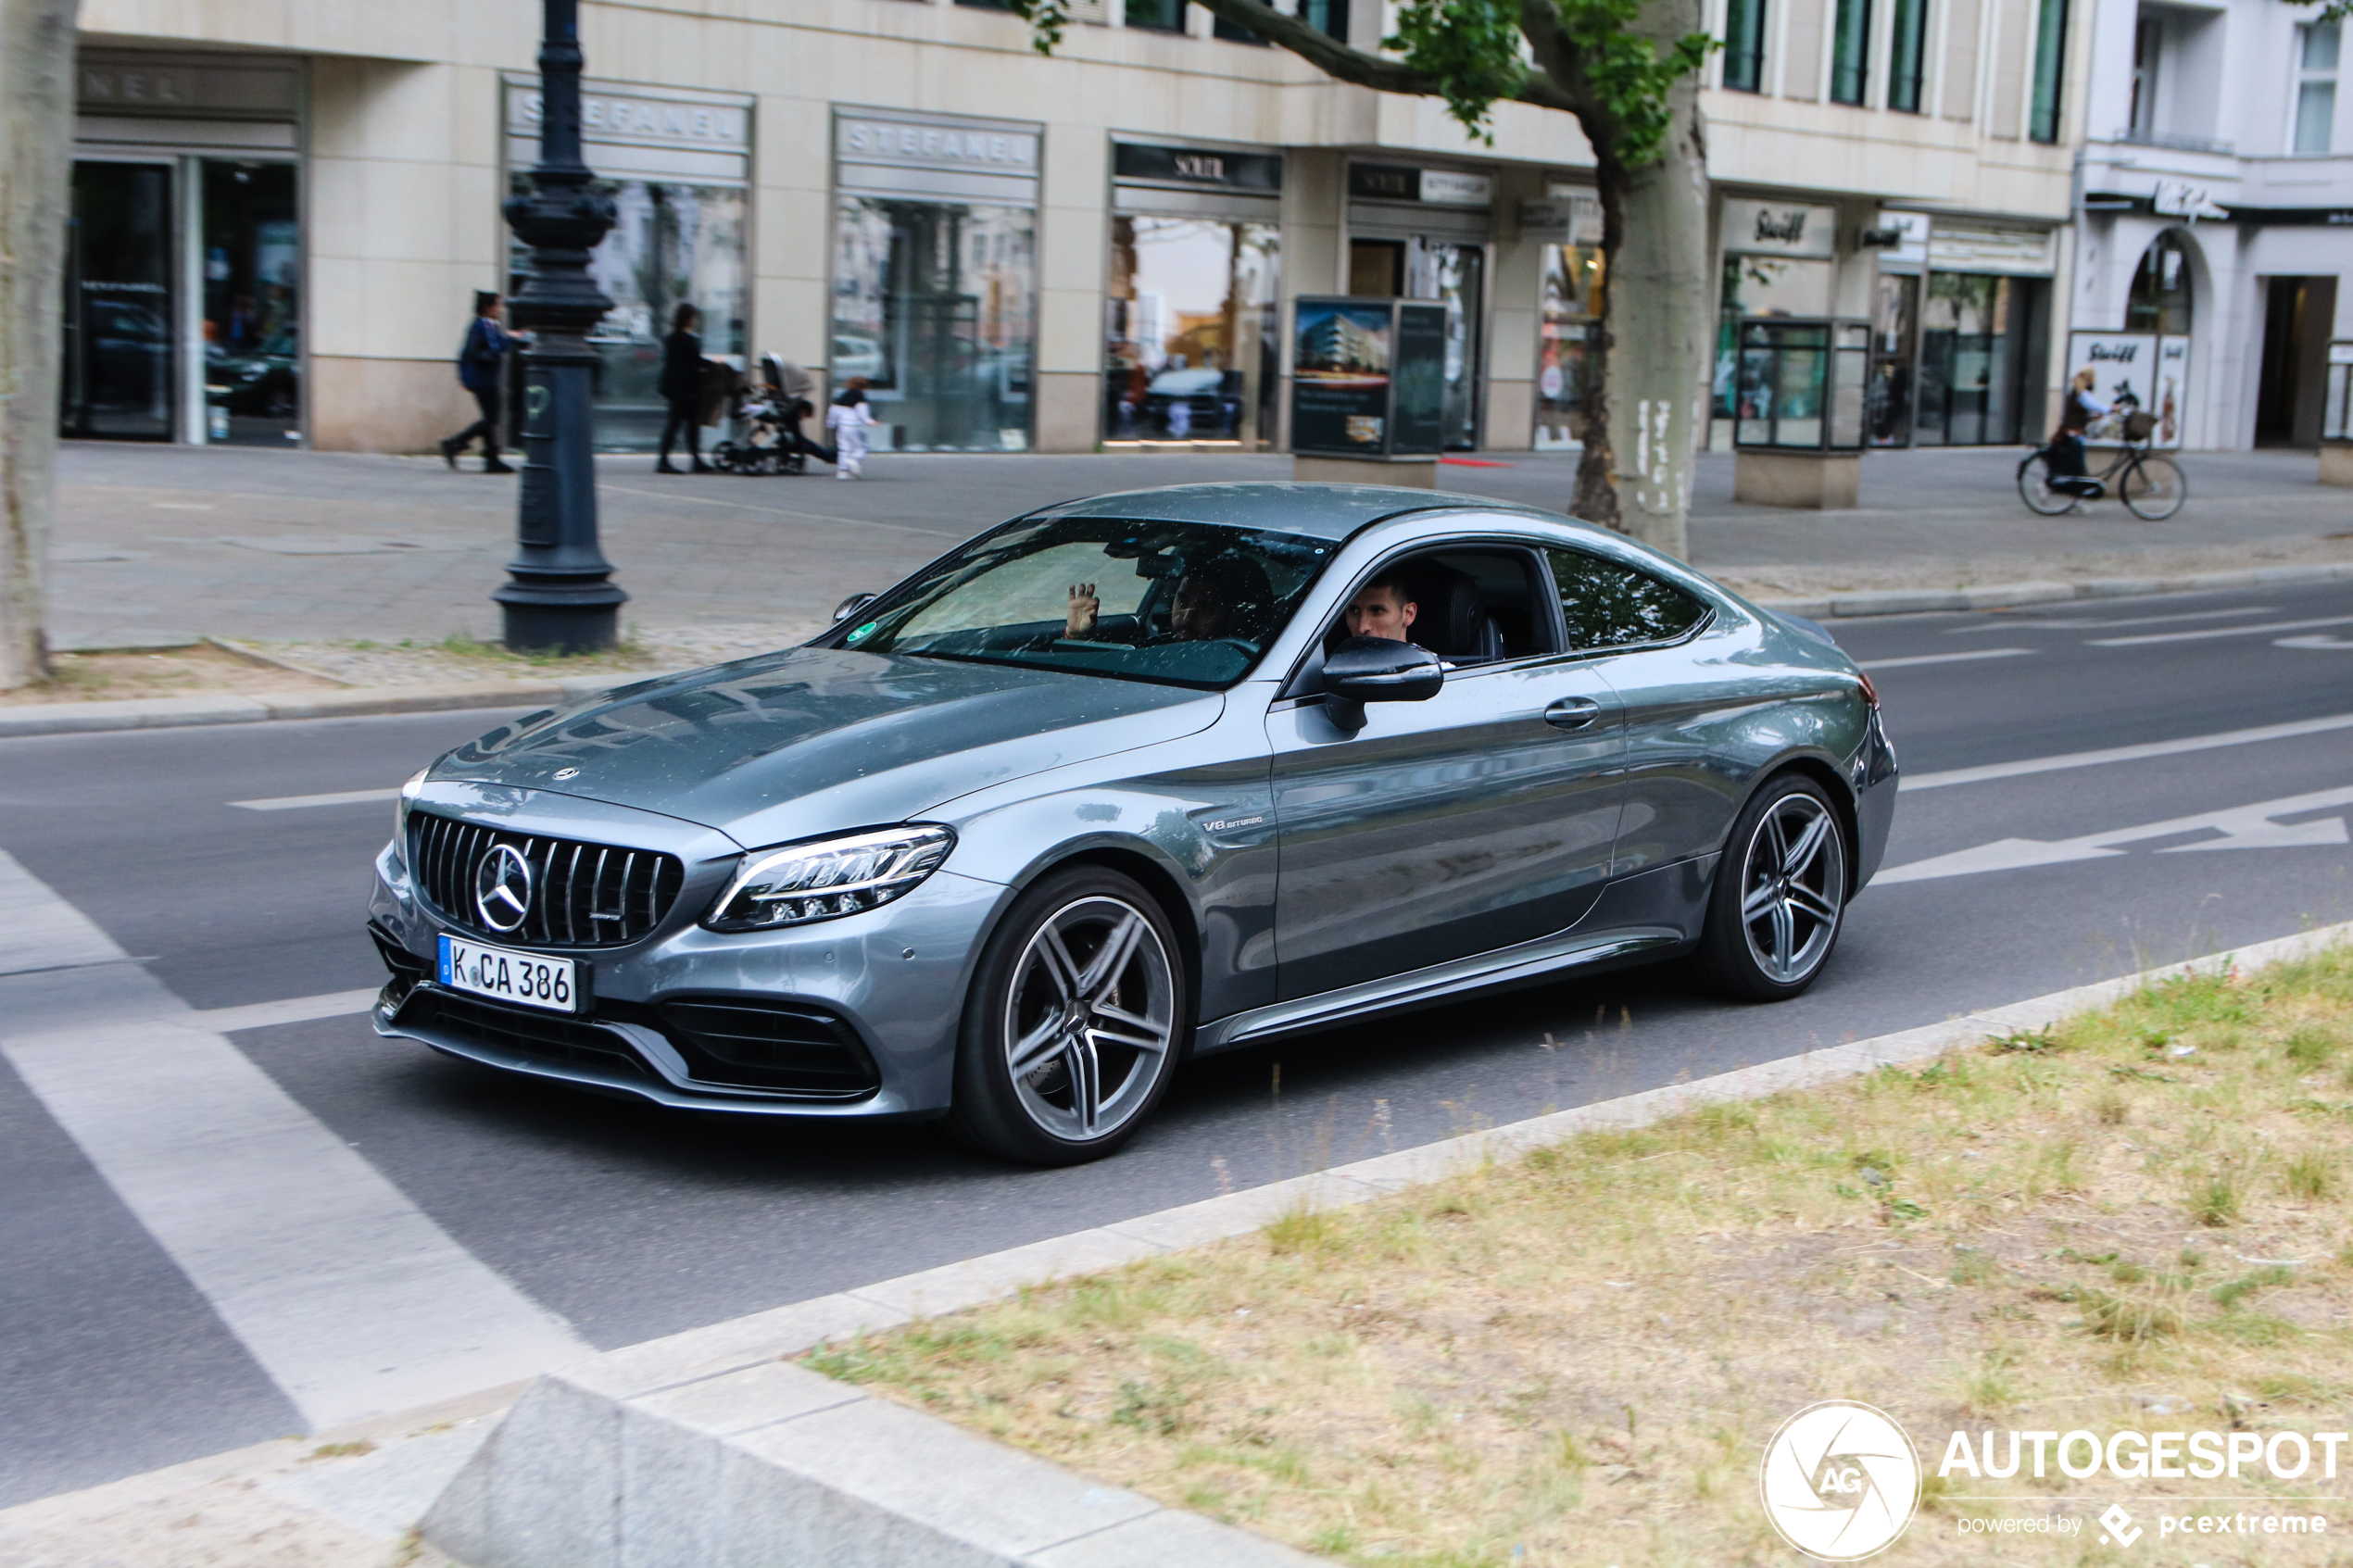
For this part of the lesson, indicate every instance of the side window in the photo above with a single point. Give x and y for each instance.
(1608, 604)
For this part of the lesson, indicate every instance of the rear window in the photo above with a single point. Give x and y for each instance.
(1608, 604)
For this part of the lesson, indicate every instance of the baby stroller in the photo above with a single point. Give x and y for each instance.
(764, 435)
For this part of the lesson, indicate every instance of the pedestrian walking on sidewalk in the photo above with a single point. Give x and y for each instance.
(482, 361)
(680, 387)
(848, 419)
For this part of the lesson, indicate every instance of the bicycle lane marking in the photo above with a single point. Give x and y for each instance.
(350, 1297)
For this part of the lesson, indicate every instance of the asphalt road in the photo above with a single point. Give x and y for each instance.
(632, 1223)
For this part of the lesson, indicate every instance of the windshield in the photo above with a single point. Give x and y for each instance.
(1182, 604)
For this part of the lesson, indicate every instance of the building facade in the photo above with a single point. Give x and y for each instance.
(2215, 254)
(282, 214)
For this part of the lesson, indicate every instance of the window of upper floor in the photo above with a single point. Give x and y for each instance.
(2317, 48)
(1745, 46)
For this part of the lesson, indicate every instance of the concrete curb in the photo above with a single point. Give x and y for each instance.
(707, 1447)
(2008, 595)
(172, 712)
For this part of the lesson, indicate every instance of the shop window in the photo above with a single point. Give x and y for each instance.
(1158, 16)
(1907, 56)
(1376, 268)
(1745, 46)
(1978, 335)
(1851, 52)
(2159, 298)
(2050, 68)
(1454, 275)
(118, 322)
(252, 302)
(670, 244)
(934, 304)
(1887, 398)
(1191, 351)
(2316, 55)
(1572, 316)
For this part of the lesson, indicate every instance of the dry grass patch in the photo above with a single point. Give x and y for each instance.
(2132, 1220)
(196, 671)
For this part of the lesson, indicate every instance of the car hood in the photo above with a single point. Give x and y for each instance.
(810, 741)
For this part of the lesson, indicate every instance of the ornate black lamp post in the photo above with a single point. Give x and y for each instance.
(558, 597)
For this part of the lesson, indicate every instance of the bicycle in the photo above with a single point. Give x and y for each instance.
(2150, 485)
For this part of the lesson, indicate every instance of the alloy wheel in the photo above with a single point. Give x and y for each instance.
(1089, 1019)
(1792, 887)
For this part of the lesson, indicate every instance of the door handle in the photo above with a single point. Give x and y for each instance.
(1572, 713)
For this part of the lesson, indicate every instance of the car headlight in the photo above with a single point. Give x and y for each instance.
(828, 877)
(409, 793)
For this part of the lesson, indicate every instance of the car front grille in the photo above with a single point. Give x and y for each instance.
(582, 895)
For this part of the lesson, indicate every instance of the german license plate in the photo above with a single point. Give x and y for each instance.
(501, 973)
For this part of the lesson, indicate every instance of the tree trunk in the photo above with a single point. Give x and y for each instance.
(36, 143)
(1644, 406)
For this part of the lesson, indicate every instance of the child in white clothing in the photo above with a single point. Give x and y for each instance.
(847, 420)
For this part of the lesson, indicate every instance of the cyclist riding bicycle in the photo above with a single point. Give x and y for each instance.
(2082, 406)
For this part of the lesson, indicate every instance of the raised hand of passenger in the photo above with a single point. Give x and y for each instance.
(1080, 621)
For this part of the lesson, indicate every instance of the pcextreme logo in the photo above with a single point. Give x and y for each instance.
(1839, 1481)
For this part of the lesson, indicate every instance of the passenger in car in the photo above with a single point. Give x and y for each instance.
(1227, 595)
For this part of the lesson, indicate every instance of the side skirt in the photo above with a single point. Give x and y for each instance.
(1650, 915)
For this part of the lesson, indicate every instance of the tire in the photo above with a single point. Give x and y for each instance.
(2034, 487)
(1061, 1061)
(2154, 487)
(1780, 899)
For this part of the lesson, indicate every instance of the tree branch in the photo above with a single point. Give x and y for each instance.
(1335, 59)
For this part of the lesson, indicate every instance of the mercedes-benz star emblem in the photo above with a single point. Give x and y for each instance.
(502, 888)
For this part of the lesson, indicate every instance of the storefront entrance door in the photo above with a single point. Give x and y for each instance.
(252, 302)
(1455, 275)
(119, 335)
(1894, 342)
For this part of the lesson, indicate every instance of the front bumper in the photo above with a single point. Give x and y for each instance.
(861, 1013)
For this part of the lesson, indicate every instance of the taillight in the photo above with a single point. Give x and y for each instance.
(1870, 692)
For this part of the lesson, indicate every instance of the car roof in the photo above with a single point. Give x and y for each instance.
(1319, 511)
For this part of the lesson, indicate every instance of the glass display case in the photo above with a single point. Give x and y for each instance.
(1799, 385)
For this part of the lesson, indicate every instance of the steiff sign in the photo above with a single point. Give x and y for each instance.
(1762, 227)
(1368, 378)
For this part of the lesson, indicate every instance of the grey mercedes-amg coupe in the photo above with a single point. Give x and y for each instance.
(1130, 779)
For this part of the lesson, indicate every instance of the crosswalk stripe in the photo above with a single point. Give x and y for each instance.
(347, 1294)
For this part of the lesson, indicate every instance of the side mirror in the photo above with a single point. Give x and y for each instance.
(851, 606)
(1365, 670)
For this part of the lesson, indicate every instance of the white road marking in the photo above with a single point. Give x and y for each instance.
(2125, 753)
(294, 1009)
(43, 931)
(2216, 632)
(295, 802)
(1941, 658)
(2072, 622)
(349, 1295)
(2243, 827)
(2317, 640)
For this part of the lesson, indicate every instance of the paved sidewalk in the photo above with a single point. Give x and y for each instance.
(160, 543)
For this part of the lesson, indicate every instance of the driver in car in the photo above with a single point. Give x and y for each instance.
(1383, 608)
(1224, 597)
